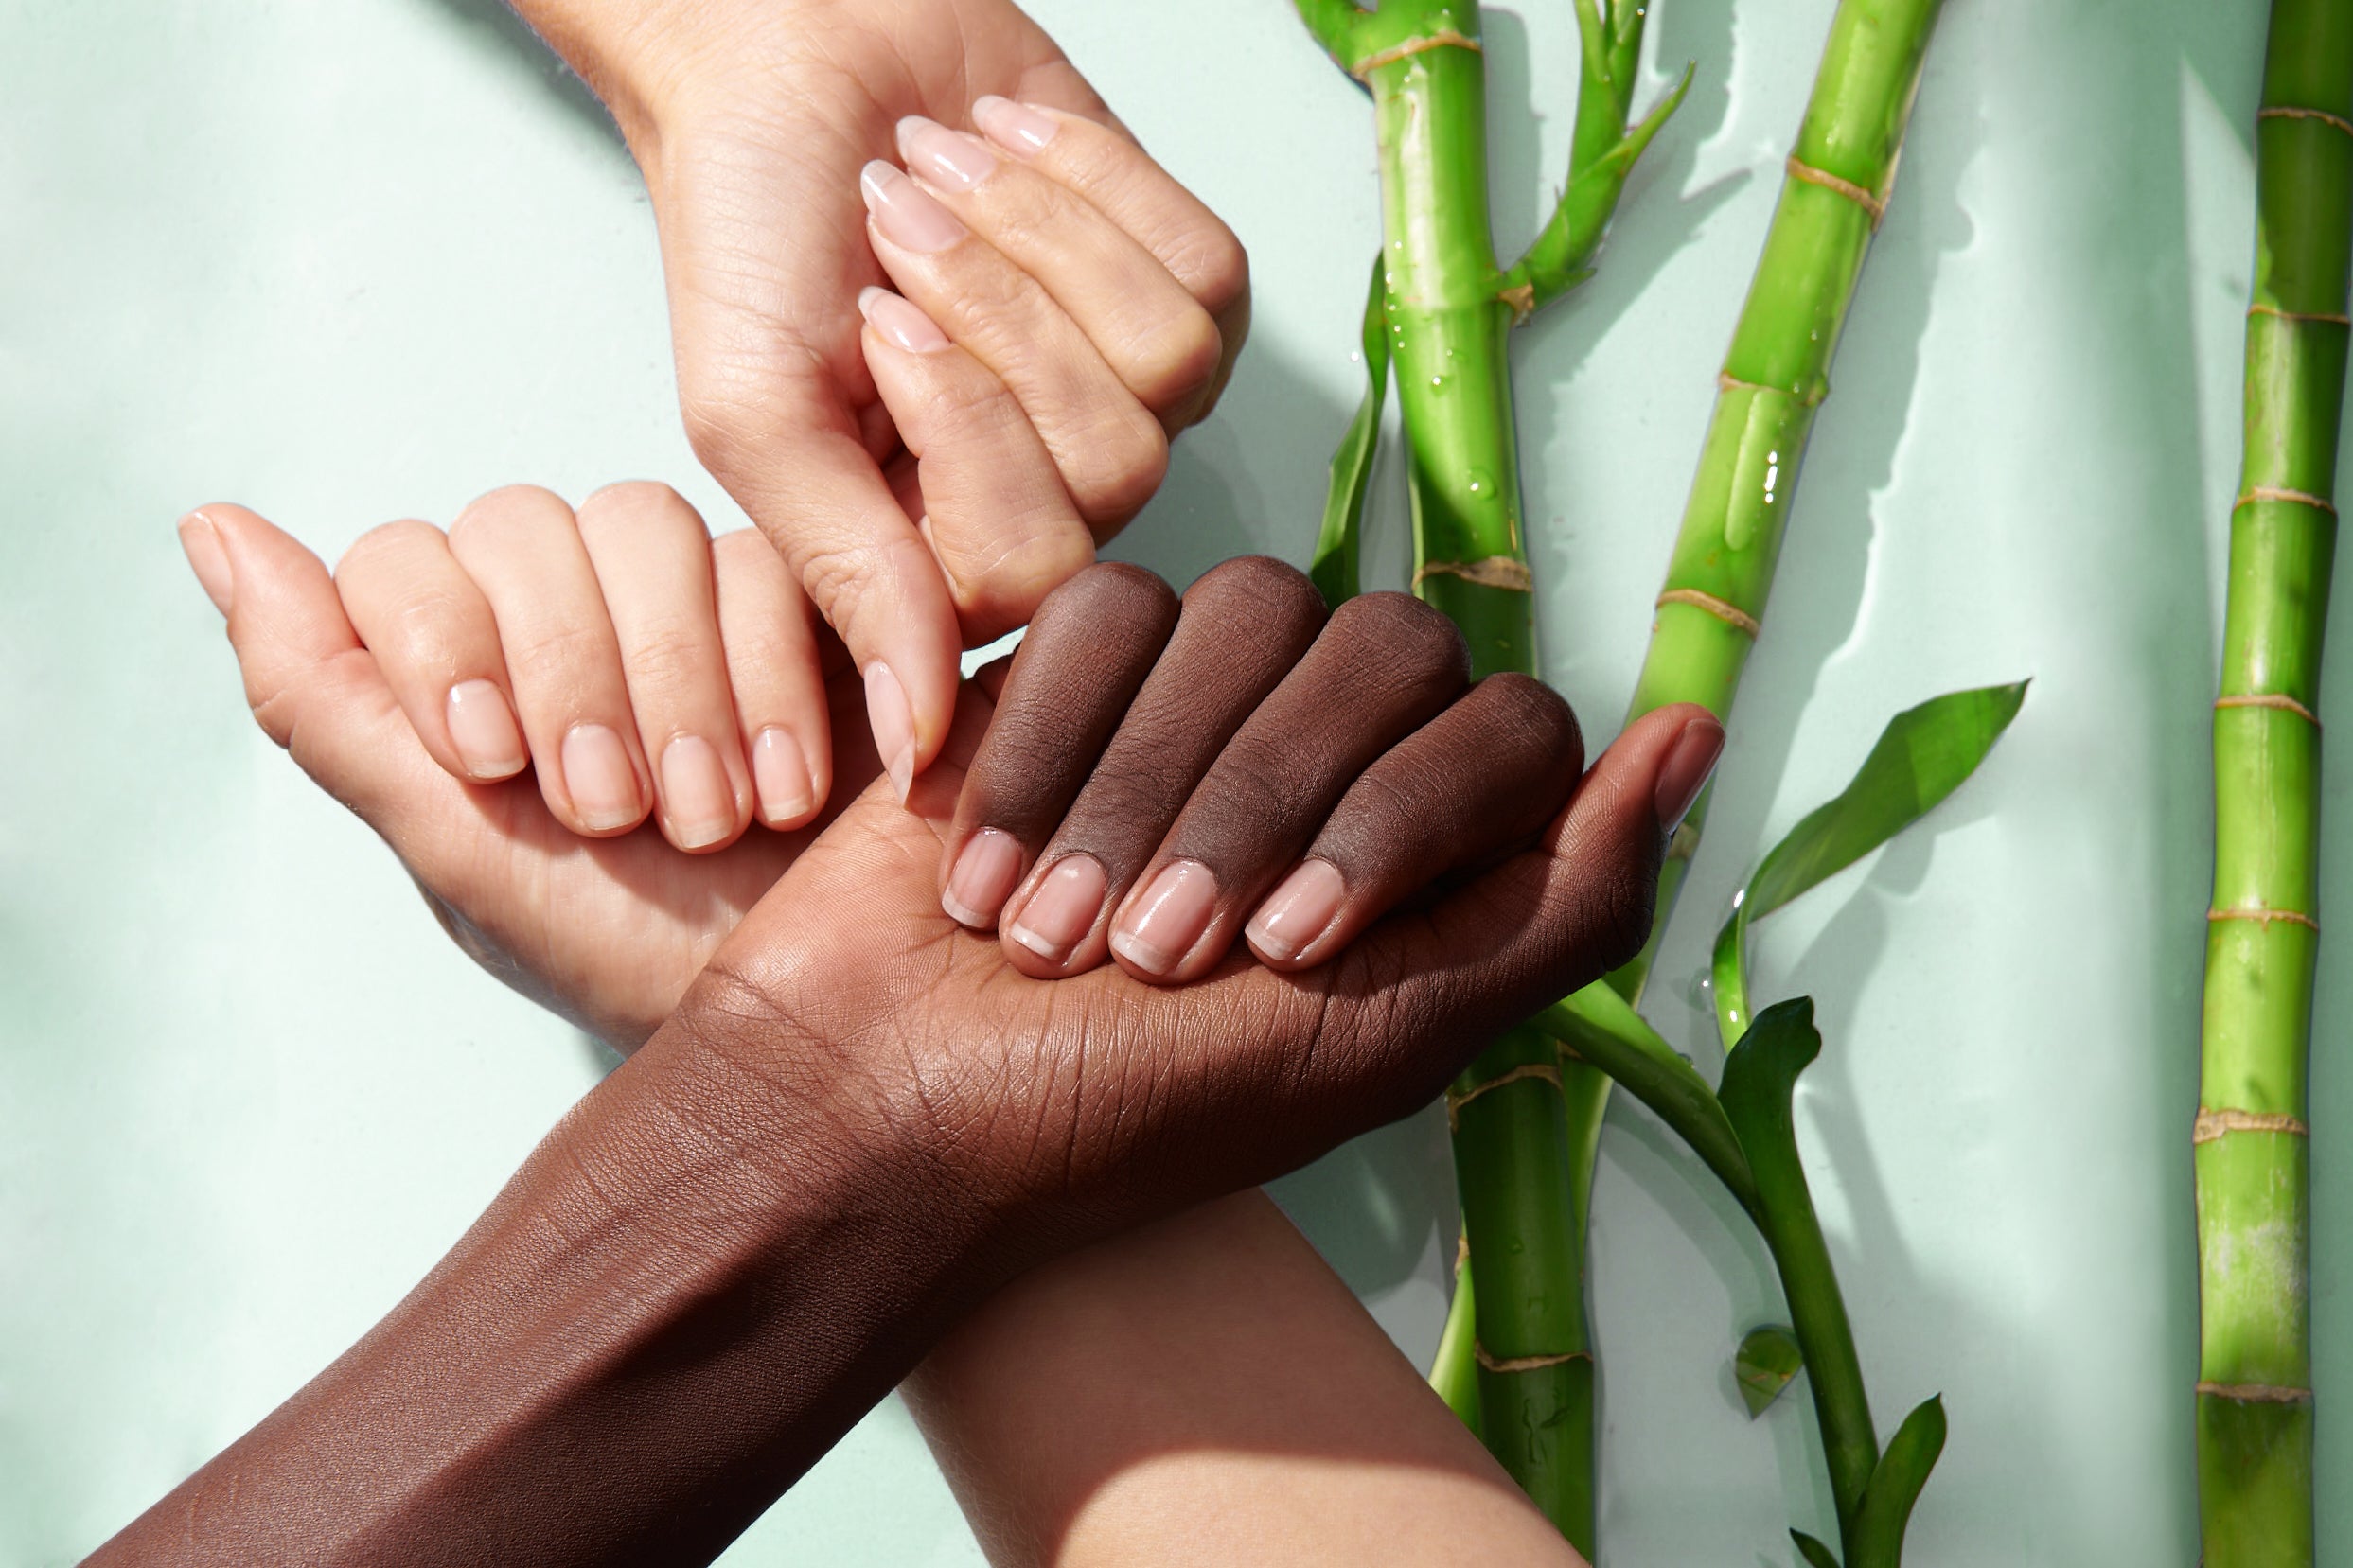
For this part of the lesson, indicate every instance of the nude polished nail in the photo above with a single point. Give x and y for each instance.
(780, 774)
(1297, 911)
(697, 794)
(893, 724)
(1015, 126)
(986, 870)
(483, 729)
(949, 159)
(1058, 916)
(599, 777)
(1686, 772)
(908, 216)
(1162, 926)
(901, 324)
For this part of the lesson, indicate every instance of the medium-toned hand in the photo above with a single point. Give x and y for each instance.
(634, 664)
(1063, 307)
(1166, 772)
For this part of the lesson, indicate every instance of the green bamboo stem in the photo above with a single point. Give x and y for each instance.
(2254, 1398)
(1776, 375)
(1448, 307)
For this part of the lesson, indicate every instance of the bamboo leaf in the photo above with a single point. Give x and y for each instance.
(1921, 757)
(1600, 1028)
(1767, 1360)
(1339, 545)
(1816, 1553)
(1759, 1079)
(1912, 1453)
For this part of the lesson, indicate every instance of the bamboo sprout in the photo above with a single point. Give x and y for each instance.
(2253, 1398)
(1447, 306)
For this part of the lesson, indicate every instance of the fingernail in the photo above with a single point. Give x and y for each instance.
(1685, 772)
(901, 323)
(598, 777)
(949, 158)
(1015, 126)
(201, 541)
(779, 772)
(697, 794)
(1063, 910)
(483, 729)
(894, 726)
(984, 878)
(908, 216)
(1160, 927)
(1299, 911)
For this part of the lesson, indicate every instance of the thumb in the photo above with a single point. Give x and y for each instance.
(313, 686)
(1541, 926)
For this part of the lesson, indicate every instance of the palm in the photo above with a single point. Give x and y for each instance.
(607, 932)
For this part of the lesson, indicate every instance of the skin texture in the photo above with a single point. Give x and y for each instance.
(1205, 1390)
(860, 1124)
(1102, 302)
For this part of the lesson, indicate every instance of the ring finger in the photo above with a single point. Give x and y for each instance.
(652, 558)
(523, 549)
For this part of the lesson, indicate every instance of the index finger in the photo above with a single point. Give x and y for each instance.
(788, 449)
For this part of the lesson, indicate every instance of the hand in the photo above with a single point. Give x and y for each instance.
(863, 1119)
(927, 496)
(636, 664)
(1203, 752)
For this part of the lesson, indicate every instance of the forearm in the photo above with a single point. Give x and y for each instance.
(1206, 1390)
(694, 1285)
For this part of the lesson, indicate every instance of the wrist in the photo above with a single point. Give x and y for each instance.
(640, 56)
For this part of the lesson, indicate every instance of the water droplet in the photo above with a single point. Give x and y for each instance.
(1481, 482)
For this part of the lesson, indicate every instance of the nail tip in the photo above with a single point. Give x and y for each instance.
(1141, 954)
(1037, 944)
(964, 914)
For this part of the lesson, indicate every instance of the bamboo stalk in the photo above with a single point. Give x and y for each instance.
(1776, 375)
(2254, 1398)
(1448, 307)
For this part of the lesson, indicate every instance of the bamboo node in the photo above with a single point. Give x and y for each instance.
(1521, 297)
(1444, 38)
(1457, 1099)
(2294, 111)
(2270, 699)
(2258, 1393)
(2261, 309)
(1730, 614)
(1875, 205)
(1495, 572)
(2211, 1125)
(1685, 843)
(1524, 1363)
(2264, 917)
(1810, 397)
(2272, 492)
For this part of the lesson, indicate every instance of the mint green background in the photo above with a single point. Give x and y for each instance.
(346, 261)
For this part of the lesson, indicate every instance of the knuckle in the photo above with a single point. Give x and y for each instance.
(1258, 587)
(1173, 358)
(1109, 591)
(1534, 714)
(1113, 469)
(380, 545)
(633, 502)
(1403, 631)
(1213, 259)
(496, 514)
